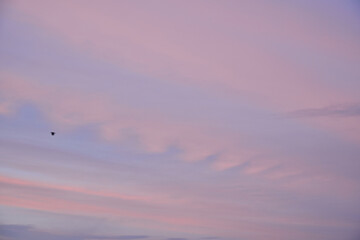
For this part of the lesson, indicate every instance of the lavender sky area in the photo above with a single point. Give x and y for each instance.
(179, 120)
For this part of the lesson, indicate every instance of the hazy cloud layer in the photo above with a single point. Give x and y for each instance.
(23, 232)
(348, 110)
(179, 120)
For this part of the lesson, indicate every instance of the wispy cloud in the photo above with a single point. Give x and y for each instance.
(154, 130)
(165, 118)
(342, 110)
(176, 239)
(27, 232)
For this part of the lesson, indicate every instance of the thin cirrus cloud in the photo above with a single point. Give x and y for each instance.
(342, 119)
(88, 205)
(26, 232)
(162, 48)
(300, 64)
(172, 119)
(156, 133)
(345, 110)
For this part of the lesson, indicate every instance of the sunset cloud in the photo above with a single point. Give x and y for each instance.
(179, 120)
(22, 232)
(348, 110)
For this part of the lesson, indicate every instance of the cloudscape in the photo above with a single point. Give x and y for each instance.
(179, 120)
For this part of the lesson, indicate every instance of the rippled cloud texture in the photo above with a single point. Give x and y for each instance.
(179, 120)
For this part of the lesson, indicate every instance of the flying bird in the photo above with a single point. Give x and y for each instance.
(52, 133)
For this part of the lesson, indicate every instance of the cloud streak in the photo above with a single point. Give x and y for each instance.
(167, 122)
(26, 232)
(345, 110)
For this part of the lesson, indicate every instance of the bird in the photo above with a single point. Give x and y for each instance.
(52, 133)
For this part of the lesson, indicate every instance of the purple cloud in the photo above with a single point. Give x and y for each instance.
(344, 110)
(27, 232)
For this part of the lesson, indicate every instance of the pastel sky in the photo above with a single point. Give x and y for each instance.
(179, 120)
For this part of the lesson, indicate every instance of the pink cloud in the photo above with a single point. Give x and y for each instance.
(137, 39)
(163, 220)
(201, 225)
(260, 54)
(274, 57)
(26, 183)
(48, 202)
(155, 130)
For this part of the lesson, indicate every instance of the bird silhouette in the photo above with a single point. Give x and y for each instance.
(52, 133)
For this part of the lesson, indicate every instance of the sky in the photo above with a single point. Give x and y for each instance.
(179, 120)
